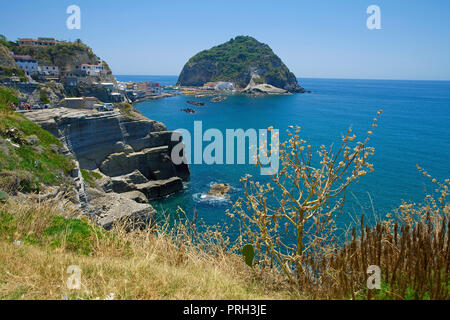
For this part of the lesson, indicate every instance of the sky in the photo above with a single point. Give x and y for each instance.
(315, 39)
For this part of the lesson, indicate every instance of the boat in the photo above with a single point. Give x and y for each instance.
(219, 99)
(194, 103)
(188, 110)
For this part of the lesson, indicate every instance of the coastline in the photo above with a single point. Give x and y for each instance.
(161, 96)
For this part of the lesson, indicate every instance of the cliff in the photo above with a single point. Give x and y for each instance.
(125, 156)
(239, 61)
(8, 66)
(5, 59)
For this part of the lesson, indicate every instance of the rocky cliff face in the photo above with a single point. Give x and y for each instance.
(239, 61)
(131, 154)
(6, 60)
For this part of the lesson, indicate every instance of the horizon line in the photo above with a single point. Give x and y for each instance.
(324, 78)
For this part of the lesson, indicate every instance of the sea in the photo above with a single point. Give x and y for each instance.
(414, 129)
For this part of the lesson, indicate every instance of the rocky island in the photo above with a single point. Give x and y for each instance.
(249, 65)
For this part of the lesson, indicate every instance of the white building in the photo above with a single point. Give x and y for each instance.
(49, 70)
(27, 64)
(108, 86)
(93, 69)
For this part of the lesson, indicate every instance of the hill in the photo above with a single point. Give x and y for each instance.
(8, 66)
(239, 61)
(67, 56)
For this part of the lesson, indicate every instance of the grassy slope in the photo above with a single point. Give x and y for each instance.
(37, 164)
(139, 265)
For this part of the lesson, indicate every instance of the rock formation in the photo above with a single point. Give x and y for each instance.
(239, 61)
(131, 154)
(219, 190)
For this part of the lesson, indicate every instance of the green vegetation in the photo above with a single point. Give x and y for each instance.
(29, 155)
(90, 177)
(78, 235)
(8, 66)
(59, 55)
(40, 226)
(143, 264)
(9, 72)
(7, 96)
(233, 60)
(126, 109)
(44, 97)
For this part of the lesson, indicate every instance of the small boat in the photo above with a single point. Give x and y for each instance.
(188, 110)
(219, 99)
(198, 104)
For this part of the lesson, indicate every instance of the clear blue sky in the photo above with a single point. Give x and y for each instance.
(321, 38)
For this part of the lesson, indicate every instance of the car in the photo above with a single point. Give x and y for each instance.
(108, 107)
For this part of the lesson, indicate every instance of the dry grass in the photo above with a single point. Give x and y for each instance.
(136, 265)
(412, 252)
(411, 247)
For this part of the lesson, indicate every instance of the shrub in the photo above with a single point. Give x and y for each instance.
(90, 177)
(411, 248)
(44, 97)
(295, 218)
(17, 181)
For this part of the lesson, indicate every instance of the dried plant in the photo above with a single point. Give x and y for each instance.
(291, 223)
(293, 219)
(412, 249)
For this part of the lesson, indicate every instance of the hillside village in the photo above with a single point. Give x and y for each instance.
(50, 73)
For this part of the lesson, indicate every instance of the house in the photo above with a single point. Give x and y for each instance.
(210, 85)
(27, 64)
(121, 86)
(49, 70)
(116, 97)
(150, 87)
(28, 42)
(93, 69)
(134, 95)
(108, 86)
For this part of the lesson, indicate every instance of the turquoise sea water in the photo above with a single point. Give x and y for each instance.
(414, 129)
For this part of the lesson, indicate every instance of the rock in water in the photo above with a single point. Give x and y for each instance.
(219, 190)
(239, 61)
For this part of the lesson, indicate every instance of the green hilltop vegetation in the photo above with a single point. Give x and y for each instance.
(235, 61)
(65, 55)
(59, 55)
